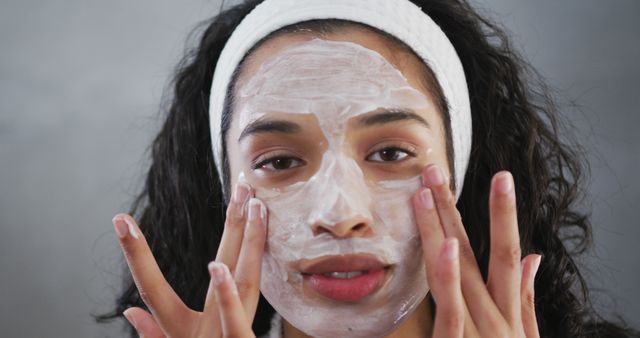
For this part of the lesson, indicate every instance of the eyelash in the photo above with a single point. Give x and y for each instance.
(262, 162)
(408, 153)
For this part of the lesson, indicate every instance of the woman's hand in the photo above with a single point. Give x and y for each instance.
(231, 301)
(466, 306)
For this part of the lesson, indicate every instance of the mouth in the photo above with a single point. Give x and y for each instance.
(346, 278)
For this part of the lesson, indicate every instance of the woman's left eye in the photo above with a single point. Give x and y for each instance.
(389, 154)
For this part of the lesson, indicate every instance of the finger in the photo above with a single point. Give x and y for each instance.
(143, 322)
(530, 265)
(482, 308)
(232, 315)
(503, 280)
(154, 290)
(210, 311)
(234, 227)
(247, 275)
(431, 232)
(433, 239)
(449, 321)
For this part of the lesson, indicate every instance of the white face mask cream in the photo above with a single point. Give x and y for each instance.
(360, 285)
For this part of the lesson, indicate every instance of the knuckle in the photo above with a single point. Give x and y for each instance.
(445, 197)
(226, 299)
(509, 255)
(244, 286)
(150, 294)
(254, 236)
(453, 319)
(466, 252)
(232, 216)
(504, 203)
(528, 301)
(446, 275)
(426, 227)
(147, 296)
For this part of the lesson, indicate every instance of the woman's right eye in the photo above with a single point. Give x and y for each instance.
(279, 163)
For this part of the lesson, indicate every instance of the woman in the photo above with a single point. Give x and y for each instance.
(349, 129)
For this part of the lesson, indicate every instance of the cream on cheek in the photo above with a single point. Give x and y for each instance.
(336, 81)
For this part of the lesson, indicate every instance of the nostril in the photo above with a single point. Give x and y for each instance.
(343, 229)
(359, 227)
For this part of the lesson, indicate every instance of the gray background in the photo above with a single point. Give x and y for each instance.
(81, 83)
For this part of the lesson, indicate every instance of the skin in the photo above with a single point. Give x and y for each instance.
(466, 305)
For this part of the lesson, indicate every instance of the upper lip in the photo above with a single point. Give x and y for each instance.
(342, 263)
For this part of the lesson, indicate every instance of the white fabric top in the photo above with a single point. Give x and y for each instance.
(400, 18)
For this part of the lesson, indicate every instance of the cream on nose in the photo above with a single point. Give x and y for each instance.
(356, 227)
(342, 199)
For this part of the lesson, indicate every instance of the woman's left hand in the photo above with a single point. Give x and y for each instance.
(466, 305)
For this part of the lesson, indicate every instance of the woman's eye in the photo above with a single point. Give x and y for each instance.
(388, 155)
(279, 163)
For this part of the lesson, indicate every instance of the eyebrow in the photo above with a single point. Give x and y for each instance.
(262, 125)
(392, 115)
(269, 126)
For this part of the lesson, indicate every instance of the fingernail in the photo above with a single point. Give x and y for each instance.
(218, 272)
(504, 183)
(127, 314)
(241, 193)
(133, 229)
(451, 249)
(536, 265)
(427, 199)
(120, 226)
(435, 176)
(257, 211)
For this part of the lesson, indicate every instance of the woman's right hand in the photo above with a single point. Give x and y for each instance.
(231, 300)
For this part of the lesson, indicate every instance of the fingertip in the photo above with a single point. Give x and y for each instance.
(219, 272)
(133, 227)
(128, 314)
(502, 182)
(222, 281)
(120, 226)
(434, 176)
(257, 211)
(241, 193)
(426, 199)
(125, 225)
(143, 322)
(535, 265)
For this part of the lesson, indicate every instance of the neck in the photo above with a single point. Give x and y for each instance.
(419, 324)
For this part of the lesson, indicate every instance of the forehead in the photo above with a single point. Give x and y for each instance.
(409, 66)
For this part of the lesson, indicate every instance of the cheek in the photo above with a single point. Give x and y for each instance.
(393, 208)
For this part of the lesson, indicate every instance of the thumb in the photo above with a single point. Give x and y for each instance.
(143, 322)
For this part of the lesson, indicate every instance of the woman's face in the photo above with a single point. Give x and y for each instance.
(332, 134)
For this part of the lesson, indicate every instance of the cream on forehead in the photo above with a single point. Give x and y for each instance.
(335, 80)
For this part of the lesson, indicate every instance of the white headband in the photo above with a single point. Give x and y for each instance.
(400, 18)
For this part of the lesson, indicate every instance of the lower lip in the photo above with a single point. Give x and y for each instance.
(347, 289)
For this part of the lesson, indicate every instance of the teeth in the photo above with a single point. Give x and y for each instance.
(344, 275)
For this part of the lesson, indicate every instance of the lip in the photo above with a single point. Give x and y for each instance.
(316, 276)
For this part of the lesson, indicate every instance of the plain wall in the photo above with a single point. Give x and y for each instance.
(81, 83)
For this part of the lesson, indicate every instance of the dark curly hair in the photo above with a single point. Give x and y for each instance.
(516, 127)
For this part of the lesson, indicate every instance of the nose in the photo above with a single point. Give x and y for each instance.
(353, 227)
